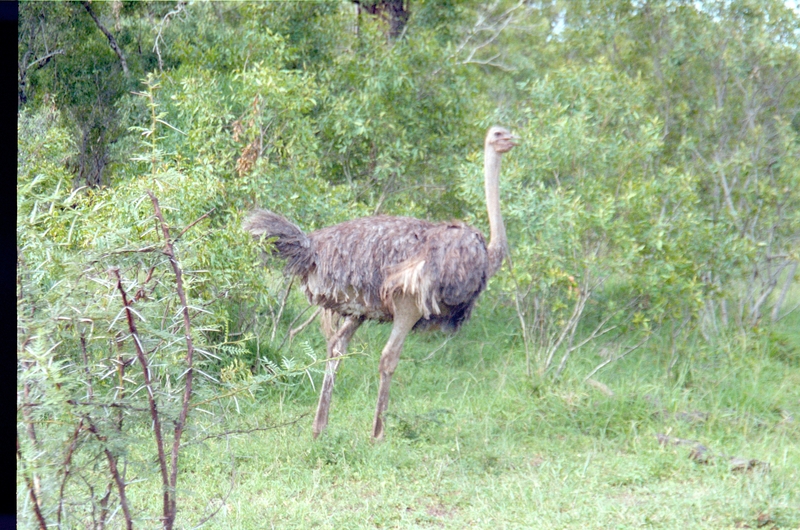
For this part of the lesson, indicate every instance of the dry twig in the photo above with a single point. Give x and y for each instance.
(164, 22)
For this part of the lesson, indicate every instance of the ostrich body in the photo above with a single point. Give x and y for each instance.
(412, 272)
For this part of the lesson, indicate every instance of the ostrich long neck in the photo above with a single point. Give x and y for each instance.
(498, 244)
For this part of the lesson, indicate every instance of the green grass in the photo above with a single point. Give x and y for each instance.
(471, 442)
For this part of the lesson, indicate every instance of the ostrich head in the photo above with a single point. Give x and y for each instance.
(500, 139)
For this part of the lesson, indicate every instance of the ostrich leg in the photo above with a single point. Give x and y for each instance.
(337, 346)
(329, 323)
(406, 315)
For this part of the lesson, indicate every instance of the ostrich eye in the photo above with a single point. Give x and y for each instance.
(498, 134)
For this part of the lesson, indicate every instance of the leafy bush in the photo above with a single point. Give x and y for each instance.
(655, 193)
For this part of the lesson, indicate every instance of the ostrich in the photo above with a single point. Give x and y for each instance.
(413, 273)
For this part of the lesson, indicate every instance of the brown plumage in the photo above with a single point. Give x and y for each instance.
(356, 268)
(413, 272)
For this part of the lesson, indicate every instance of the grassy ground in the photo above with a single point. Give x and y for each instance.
(471, 442)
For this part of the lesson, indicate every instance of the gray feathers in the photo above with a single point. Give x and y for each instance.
(290, 242)
(355, 268)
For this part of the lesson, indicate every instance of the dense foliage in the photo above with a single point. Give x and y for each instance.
(656, 190)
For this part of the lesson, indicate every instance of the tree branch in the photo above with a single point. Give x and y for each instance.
(776, 309)
(67, 461)
(617, 358)
(249, 431)
(495, 25)
(190, 225)
(164, 21)
(26, 415)
(294, 331)
(142, 358)
(277, 319)
(112, 466)
(111, 40)
(187, 328)
(32, 493)
(42, 61)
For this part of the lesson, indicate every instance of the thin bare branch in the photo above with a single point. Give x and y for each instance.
(792, 310)
(439, 347)
(771, 283)
(103, 505)
(572, 327)
(42, 61)
(597, 332)
(776, 309)
(204, 216)
(124, 406)
(31, 430)
(164, 23)
(277, 318)
(85, 356)
(490, 62)
(617, 358)
(294, 331)
(485, 22)
(574, 318)
(224, 500)
(249, 431)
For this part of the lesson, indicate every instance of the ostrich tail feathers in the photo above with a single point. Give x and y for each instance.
(290, 242)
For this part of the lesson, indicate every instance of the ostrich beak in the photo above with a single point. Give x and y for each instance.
(509, 142)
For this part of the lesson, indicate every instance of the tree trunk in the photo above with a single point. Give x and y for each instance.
(394, 12)
(776, 309)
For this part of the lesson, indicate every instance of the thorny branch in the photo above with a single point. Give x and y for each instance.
(66, 466)
(103, 505)
(169, 477)
(112, 466)
(26, 414)
(142, 358)
(32, 492)
(187, 328)
(89, 404)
